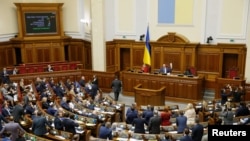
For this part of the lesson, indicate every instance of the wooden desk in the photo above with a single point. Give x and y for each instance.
(185, 89)
(144, 96)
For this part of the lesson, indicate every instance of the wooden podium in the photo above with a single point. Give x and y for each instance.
(145, 96)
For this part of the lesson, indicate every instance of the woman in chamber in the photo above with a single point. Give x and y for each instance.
(145, 68)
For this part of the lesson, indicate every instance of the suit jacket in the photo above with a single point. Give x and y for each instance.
(147, 114)
(65, 105)
(51, 110)
(105, 133)
(2, 118)
(165, 70)
(131, 116)
(181, 123)
(6, 112)
(138, 123)
(39, 125)
(29, 110)
(116, 85)
(13, 128)
(26, 101)
(95, 81)
(197, 132)
(154, 125)
(45, 105)
(69, 125)
(18, 113)
(82, 82)
(242, 111)
(59, 91)
(58, 123)
(94, 90)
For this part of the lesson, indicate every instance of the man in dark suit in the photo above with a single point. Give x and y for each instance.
(52, 109)
(18, 112)
(148, 113)
(197, 130)
(82, 81)
(154, 124)
(58, 121)
(30, 109)
(59, 90)
(69, 124)
(5, 76)
(116, 86)
(6, 111)
(2, 118)
(93, 91)
(105, 132)
(242, 110)
(39, 124)
(13, 128)
(181, 122)
(139, 123)
(65, 104)
(186, 136)
(95, 81)
(131, 115)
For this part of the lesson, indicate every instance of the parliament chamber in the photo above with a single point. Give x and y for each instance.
(215, 66)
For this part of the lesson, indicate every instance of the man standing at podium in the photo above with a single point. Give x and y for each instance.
(116, 86)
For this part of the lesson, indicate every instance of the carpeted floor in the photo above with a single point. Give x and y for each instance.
(128, 100)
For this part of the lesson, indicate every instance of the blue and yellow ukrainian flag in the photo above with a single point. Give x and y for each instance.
(147, 50)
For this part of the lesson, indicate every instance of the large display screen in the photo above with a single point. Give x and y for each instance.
(40, 23)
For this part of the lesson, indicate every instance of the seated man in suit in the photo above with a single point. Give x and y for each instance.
(165, 69)
(187, 72)
(105, 131)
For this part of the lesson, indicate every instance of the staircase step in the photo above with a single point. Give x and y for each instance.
(209, 94)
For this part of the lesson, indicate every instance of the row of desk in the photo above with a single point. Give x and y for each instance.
(155, 87)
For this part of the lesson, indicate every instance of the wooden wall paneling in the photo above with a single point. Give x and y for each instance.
(247, 92)
(137, 58)
(156, 53)
(212, 62)
(39, 54)
(128, 85)
(111, 55)
(180, 89)
(47, 56)
(56, 51)
(125, 53)
(187, 62)
(7, 54)
(125, 61)
(28, 56)
(2, 60)
(154, 84)
(57, 54)
(87, 61)
(170, 89)
(10, 56)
